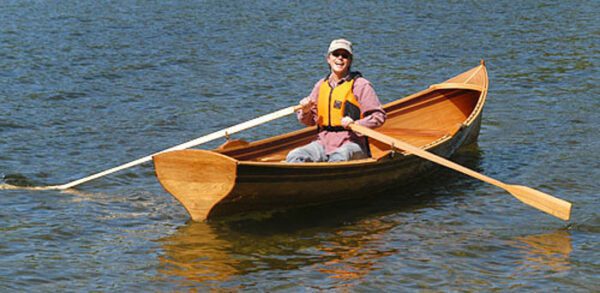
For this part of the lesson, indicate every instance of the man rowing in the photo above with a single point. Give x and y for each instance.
(337, 100)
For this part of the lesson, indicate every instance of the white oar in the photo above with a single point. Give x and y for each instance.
(189, 144)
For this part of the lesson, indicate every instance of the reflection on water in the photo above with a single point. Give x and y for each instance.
(355, 253)
(196, 253)
(205, 252)
(546, 251)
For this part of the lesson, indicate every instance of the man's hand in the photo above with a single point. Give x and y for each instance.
(306, 104)
(346, 121)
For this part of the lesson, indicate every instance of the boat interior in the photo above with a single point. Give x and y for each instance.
(420, 119)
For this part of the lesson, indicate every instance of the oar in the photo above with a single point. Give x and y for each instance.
(535, 198)
(218, 134)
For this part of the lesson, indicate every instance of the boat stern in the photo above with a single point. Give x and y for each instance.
(198, 179)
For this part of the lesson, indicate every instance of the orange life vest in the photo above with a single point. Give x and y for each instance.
(335, 103)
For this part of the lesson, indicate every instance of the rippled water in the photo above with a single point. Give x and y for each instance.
(85, 87)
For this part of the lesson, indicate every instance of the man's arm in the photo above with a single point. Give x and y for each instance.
(309, 118)
(372, 111)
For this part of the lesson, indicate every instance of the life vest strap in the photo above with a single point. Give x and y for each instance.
(332, 128)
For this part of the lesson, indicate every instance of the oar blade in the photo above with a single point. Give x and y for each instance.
(541, 201)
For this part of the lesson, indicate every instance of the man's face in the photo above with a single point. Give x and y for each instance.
(339, 61)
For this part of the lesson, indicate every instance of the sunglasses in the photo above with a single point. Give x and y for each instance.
(342, 54)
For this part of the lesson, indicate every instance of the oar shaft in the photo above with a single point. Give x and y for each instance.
(209, 137)
(535, 198)
(422, 153)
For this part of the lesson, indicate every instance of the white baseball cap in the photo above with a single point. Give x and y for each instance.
(340, 44)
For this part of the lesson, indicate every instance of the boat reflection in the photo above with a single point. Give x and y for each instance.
(353, 258)
(546, 251)
(196, 253)
(208, 252)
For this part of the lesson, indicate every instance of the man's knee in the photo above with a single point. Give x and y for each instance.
(338, 157)
(312, 152)
(296, 156)
(347, 152)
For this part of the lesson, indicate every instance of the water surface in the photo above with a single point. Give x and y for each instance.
(86, 87)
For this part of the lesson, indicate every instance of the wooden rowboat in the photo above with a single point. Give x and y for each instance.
(240, 176)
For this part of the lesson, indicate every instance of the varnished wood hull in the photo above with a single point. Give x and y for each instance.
(265, 187)
(250, 177)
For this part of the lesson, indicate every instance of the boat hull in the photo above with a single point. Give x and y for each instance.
(267, 187)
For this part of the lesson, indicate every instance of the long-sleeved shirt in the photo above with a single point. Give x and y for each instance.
(370, 107)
